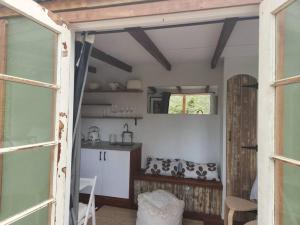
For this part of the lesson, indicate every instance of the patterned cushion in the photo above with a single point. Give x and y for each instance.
(164, 167)
(205, 171)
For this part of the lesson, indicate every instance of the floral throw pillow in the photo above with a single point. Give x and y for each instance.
(203, 171)
(163, 167)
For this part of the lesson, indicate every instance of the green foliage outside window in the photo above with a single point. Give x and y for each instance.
(176, 104)
(195, 104)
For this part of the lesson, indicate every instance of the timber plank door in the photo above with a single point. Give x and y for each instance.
(241, 135)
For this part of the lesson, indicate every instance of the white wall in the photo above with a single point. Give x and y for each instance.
(196, 138)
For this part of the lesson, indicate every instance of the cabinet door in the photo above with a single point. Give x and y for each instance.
(90, 166)
(116, 173)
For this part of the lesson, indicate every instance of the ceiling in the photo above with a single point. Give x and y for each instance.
(180, 44)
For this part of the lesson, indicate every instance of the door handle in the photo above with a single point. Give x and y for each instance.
(100, 156)
(104, 156)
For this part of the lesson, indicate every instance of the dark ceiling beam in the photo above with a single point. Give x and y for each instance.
(227, 29)
(100, 55)
(92, 69)
(144, 40)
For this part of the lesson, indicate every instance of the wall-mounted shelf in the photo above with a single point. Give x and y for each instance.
(116, 91)
(135, 118)
(97, 104)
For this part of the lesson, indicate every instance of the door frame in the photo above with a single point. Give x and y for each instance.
(60, 188)
(173, 19)
(267, 109)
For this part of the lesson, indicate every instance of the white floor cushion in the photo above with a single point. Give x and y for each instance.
(159, 208)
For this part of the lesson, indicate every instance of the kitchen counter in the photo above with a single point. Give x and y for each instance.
(105, 145)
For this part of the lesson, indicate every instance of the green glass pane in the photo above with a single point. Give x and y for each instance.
(28, 114)
(31, 50)
(291, 121)
(289, 195)
(25, 180)
(38, 218)
(289, 38)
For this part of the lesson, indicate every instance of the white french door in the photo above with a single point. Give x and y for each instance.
(279, 113)
(36, 100)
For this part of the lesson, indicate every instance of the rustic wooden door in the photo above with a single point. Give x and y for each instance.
(241, 135)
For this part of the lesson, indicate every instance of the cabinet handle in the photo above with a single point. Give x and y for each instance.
(100, 157)
(104, 156)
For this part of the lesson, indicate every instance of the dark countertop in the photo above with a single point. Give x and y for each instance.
(105, 145)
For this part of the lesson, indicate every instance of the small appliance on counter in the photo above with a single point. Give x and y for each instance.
(94, 134)
(127, 136)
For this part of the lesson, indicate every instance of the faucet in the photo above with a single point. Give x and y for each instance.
(127, 133)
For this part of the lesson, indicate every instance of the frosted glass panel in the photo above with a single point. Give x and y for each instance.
(291, 120)
(28, 114)
(25, 180)
(31, 50)
(38, 218)
(289, 195)
(288, 39)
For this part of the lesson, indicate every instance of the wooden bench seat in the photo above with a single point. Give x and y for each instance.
(179, 180)
(203, 199)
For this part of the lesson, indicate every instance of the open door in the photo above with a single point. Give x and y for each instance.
(241, 138)
(279, 110)
(35, 115)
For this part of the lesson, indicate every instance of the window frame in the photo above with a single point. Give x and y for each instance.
(184, 101)
(279, 160)
(63, 88)
(269, 109)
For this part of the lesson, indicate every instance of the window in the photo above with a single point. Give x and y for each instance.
(34, 85)
(190, 104)
(287, 123)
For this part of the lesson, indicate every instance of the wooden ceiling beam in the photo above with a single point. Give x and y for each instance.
(100, 55)
(144, 40)
(76, 11)
(92, 69)
(227, 29)
(73, 5)
(150, 8)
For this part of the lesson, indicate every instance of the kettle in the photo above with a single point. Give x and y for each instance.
(94, 134)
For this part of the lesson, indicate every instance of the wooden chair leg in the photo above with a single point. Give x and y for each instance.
(93, 212)
(226, 215)
(230, 217)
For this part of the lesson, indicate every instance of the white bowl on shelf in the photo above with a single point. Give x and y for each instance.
(134, 85)
(114, 86)
(93, 86)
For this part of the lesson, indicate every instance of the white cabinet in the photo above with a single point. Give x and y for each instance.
(91, 166)
(112, 167)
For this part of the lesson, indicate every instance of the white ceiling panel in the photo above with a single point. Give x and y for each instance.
(180, 44)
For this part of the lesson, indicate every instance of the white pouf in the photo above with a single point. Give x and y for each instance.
(159, 208)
